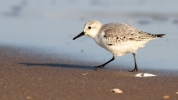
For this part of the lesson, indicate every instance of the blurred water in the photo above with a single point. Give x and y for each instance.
(51, 25)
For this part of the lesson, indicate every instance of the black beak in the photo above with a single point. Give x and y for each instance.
(81, 34)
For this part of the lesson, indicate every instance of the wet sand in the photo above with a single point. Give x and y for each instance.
(26, 74)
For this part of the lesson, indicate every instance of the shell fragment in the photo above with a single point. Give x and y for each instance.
(144, 75)
(116, 90)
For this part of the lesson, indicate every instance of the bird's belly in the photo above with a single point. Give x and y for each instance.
(120, 50)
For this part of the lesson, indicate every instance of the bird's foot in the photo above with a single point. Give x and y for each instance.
(98, 67)
(134, 70)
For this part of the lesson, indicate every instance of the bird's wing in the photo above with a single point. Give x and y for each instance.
(117, 33)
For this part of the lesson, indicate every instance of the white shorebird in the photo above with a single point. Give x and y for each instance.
(117, 38)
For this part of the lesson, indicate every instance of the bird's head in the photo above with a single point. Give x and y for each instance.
(91, 29)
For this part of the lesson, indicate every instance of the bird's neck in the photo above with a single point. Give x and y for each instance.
(97, 38)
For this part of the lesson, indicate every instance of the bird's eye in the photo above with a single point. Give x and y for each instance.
(89, 27)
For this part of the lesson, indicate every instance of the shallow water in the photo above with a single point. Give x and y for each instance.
(51, 25)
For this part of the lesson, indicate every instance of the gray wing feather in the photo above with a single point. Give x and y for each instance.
(116, 33)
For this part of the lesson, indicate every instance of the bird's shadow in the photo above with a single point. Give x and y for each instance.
(58, 65)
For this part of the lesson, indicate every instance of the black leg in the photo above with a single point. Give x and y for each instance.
(100, 66)
(135, 69)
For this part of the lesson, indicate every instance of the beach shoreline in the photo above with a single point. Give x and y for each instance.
(31, 75)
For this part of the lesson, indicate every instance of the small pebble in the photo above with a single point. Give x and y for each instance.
(29, 97)
(166, 97)
(116, 90)
(176, 92)
(85, 74)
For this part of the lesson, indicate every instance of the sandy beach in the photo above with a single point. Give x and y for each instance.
(27, 74)
(39, 60)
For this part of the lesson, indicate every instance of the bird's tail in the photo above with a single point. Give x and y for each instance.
(156, 35)
(159, 35)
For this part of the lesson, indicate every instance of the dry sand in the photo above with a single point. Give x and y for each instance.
(29, 75)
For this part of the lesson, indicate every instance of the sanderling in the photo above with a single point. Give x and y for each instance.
(117, 38)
